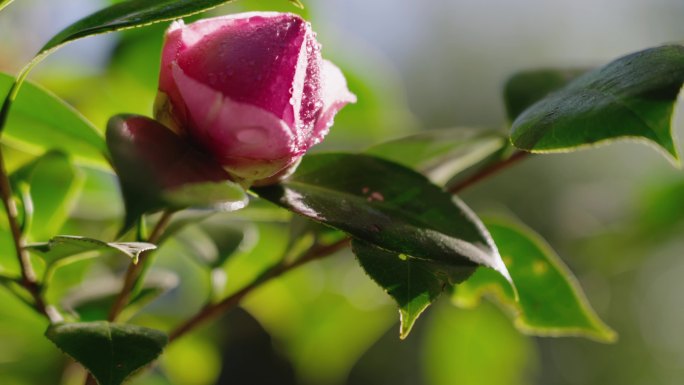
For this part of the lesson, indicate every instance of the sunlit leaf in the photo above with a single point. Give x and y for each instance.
(54, 125)
(441, 154)
(551, 302)
(413, 283)
(528, 87)
(632, 97)
(63, 246)
(111, 352)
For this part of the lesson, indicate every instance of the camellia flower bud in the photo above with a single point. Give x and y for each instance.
(250, 89)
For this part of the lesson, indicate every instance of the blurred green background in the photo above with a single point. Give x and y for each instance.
(613, 214)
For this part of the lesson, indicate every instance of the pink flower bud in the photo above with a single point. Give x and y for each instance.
(251, 89)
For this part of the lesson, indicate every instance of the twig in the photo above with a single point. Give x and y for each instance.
(28, 275)
(487, 172)
(134, 269)
(212, 311)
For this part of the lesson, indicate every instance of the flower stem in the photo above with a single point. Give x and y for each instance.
(212, 311)
(486, 172)
(28, 275)
(133, 274)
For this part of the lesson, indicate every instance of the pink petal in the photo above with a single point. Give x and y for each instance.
(335, 96)
(236, 134)
(252, 59)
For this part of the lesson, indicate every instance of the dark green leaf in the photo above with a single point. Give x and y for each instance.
(632, 97)
(386, 205)
(158, 169)
(63, 246)
(111, 352)
(54, 184)
(528, 87)
(414, 283)
(441, 154)
(551, 302)
(54, 125)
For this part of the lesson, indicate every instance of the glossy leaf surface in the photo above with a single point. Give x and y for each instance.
(441, 154)
(111, 352)
(551, 302)
(632, 97)
(386, 205)
(528, 87)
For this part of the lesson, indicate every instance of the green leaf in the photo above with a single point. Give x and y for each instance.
(632, 97)
(386, 205)
(551, 302)
(441, 154)
(158, 169)
(4, 3)
(54, 185)
(297, 3)
(123, 15)
(111, 352)
(63, 246)
(528, 87)
(414, 283)
(221, 196)
(54, 125)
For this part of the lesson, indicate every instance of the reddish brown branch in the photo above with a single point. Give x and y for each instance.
(135, 269)
(487, 172)
(211, 311)
(28, 275)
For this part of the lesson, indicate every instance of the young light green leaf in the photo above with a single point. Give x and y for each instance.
(528, 87)
(632, 97)
(386, 205)
(63, 246)
(414, 283)
(55, 125)
(4, 3)
(551, 302)
(441, 154)
(54, 184)
(111, 352)
(297, 3)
